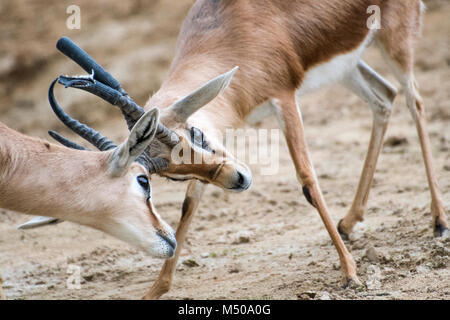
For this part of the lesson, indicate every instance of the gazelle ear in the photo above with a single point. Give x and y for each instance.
(140, 137)
(185, 107)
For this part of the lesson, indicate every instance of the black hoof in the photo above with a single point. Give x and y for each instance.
(441, 231)
(344, 236)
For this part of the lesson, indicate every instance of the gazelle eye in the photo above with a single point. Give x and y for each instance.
(143, 182)
(196, 136)
(198, 139)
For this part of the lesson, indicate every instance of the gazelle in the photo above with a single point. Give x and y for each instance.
(282, 48)
(108, 190)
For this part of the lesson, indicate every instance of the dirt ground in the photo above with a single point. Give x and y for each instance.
(266, 243)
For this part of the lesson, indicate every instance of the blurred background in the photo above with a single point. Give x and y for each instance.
(264, 243)
(133, 39)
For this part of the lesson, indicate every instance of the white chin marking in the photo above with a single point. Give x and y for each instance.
(179, 176)
(161, 250)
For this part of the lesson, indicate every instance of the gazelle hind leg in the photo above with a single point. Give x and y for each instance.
(416, 107)
(400, 59)
(191, 201)
(379, 94)
(290, 120)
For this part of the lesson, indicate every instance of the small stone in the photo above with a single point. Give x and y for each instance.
(422, 269)
(395, 141)
(373, 255)
(242, 239)
(89, 277)
(191, 263)
(324, 296)
(307, 295)
(205, 255)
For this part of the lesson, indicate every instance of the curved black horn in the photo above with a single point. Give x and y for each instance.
(131, 111)
(64, 141)
(153, 165)
(107, 88)
(94, 137)
(167, 136)
(74, 52)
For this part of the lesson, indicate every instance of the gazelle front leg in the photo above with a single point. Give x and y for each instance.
(290, 120)
(379, 94)
(193, 196)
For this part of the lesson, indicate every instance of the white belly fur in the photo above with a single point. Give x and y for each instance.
(319, 76)
(333, 70)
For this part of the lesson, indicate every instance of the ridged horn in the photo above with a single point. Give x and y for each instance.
(92, 136)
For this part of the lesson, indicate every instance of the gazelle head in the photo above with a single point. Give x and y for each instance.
(180, 151)
(200, 153)
(115, 192)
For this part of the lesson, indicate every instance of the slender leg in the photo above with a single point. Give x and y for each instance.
(290, 120)
(379, 94)
(401, 60)
(193, 196)
(417, 109)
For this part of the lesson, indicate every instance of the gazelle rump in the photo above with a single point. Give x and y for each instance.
(108, 190)
(282, 48)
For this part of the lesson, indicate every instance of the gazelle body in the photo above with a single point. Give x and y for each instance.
(283, 48)
(107, 190)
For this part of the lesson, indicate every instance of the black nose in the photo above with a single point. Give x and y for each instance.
(242, 182)
(241, 179)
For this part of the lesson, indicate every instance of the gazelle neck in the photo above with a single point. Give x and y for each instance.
(54, 179)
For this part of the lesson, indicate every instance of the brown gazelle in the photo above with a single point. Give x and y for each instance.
(282, 48)
(108, 190)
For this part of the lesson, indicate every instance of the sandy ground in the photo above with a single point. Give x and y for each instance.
(266, 243)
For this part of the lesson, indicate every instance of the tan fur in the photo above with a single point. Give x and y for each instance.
(44, 179)
(274, 49)
(275, 43)
(162, 285)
